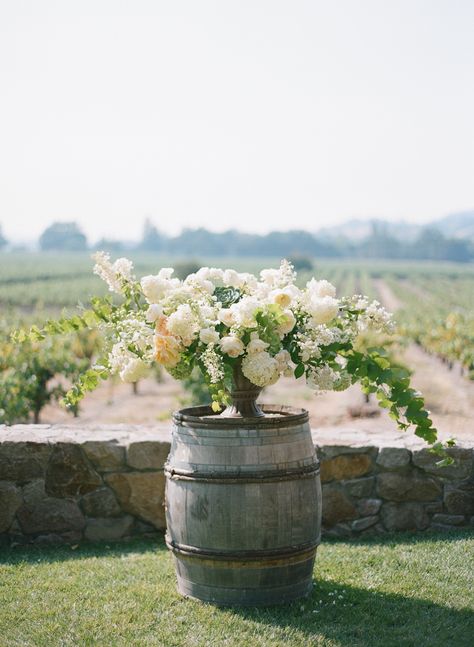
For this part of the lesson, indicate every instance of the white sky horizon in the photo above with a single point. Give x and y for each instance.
(259, 115)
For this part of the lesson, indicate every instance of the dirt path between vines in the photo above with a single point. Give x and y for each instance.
(449, 395)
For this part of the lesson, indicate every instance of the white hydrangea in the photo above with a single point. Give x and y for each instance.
(231, 345)
(314, 337)
(261, 368)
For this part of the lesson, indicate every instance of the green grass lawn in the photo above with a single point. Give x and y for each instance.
(403, 590)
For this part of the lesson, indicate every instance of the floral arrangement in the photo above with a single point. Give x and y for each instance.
(215, 318)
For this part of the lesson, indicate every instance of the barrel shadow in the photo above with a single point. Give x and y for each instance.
(351, 616)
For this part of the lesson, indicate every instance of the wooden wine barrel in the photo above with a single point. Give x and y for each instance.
(243, 506)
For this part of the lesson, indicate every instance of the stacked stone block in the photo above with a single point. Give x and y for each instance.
(367, 489)
(66, 485)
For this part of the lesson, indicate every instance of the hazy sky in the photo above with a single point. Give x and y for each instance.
(259, 114)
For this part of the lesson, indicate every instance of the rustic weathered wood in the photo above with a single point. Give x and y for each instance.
(243, 506)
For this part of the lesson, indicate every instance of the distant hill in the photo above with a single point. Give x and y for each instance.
(357, 230)
(456, 225)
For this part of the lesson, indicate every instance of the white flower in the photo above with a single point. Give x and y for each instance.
(183, 324)
(280, 278)
(285, 365)
(113, 274)
(134, 370)
(226, 316)
(213, 363)
(213, 274)
(233, 279)
(321, 288)
(244, 311)
(322, 378)
(232, 346)
(154, 288)
(166, 273)
(209, 336)
(281, 297)
(255, 344)
(376, 318)
(287, 324)
(260, 368)
(153, 312)
(199, 283)
(323, 309)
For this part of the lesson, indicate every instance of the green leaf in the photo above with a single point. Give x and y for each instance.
(299, 370)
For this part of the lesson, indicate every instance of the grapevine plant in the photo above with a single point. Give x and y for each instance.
(214, 319)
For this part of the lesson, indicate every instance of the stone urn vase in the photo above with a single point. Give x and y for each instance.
(243, 501)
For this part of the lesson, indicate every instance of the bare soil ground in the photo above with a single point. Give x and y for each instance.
(449, 397)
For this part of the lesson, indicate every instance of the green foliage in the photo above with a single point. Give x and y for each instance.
(32, 374)
(197, 388)
(391, 386)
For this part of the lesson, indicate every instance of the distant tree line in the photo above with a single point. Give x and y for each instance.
(430, 244)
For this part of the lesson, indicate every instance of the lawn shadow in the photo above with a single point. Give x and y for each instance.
(352, 616)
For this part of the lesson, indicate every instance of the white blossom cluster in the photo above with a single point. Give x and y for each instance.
(214, 317)
(114, 274)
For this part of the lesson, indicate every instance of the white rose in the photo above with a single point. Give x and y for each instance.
(281, 297)
(226, 316)
(153, 312)
(323, 309)
(288, 323)
(232, 346)
(209, 336)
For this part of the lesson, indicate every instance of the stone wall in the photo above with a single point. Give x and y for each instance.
(67, 484)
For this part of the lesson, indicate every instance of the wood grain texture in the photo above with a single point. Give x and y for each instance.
(243, 506)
